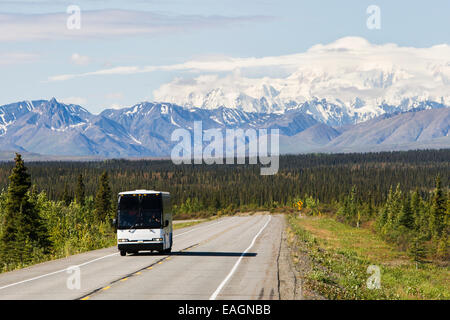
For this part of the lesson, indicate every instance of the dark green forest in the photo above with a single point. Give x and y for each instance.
(53, 209)
(326, 177)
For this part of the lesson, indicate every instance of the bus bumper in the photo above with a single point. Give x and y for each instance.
(133, 247)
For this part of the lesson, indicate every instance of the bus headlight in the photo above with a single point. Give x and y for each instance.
(157, 239)
(123, 240)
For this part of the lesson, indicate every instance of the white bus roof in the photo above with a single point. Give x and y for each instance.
(143, 192)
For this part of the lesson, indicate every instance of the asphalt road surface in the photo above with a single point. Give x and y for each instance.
(228, 258)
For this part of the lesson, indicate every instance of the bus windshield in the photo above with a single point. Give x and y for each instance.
(140, 212)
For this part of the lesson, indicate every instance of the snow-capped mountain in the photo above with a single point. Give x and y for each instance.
(149, 118)
(54, 128)
(50, 127)
(425, 129)
(344, 82)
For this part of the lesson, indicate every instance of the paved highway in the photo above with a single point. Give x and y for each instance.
(228, 258)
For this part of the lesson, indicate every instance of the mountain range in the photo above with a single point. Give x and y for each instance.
(344, 82)
(51, 128)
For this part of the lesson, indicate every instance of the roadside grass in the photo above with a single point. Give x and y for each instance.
(340, 256)
(102, 240)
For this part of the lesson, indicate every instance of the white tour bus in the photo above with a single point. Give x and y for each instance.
(144, 222)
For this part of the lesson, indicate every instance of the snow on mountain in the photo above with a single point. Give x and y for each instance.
(347, 81)
(153, 123)
(56, 116)
(50, 127)
(54, 128)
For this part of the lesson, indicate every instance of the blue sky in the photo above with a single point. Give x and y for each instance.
(36, 48)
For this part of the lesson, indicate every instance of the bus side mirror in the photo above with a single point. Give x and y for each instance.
(114, 222)
(166, 223)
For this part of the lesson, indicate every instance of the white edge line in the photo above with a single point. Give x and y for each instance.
(55, 272)
(88, 262)
(220, 287)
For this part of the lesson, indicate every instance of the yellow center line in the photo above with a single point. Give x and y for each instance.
(106, 288)
(138, 272)
(85, 298)
(124, 279)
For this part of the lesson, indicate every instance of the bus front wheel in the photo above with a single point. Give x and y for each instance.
(123, 253)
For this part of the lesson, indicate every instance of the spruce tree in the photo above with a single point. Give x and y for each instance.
(396, 207)
(80, 191)
(443, 247)
(370, 209)
(438, 209)
(24, 232)
(103, 198)
(406, 217)
(417, 250)
(416, 209)
(383, 214)
(353, 214)
(442, 250)
(67, 198)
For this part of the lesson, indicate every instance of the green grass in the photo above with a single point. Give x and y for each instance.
(340, 256)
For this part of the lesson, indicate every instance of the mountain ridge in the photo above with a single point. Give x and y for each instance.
(144, 130)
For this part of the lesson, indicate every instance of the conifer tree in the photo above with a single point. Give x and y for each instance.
(438, 209)
(396, 207)
(415, 208)
(23, 232)
(103, 198)
(370, 209)
(67, 198)
(383, 220)
(406, 217)
(80, 191)
(447, 215)
(442, 249)
(353, 205)
(417, 250)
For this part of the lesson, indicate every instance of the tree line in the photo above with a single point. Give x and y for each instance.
(328, 177)
(416, 225)
(34, 228)
(52, 209)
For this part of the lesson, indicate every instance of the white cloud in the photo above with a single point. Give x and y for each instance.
(105, 23)
(80, 60)
(343, 53)
(339, 72)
